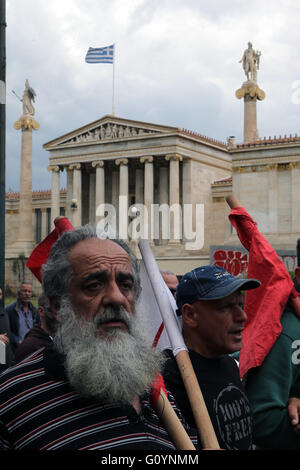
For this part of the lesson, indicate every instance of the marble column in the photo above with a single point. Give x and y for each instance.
(26, 232)
(174, 198)
(139, 187)
(25, 237)
(148, 195)
(163, 199)
(295, 199)
(92, 198)
(55, 193)
(123, 197)
(100, 185)
(251, 92)
(76, 200)
(69, 212)
(189, 219)
(250, 119)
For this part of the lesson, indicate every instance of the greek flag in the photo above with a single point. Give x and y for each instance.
(100, 55)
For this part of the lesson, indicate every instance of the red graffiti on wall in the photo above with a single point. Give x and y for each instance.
(235, 262)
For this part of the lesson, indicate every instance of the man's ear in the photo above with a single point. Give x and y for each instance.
(54, 304)
(189, 315)
(297, 274)
(41, 311)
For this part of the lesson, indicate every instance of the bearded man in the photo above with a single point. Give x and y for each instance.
(90, 388)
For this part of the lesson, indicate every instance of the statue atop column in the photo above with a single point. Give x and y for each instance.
(250, 62)
(28, 98)
(250, 92)
(27, 121)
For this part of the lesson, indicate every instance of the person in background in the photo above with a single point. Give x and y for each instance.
(171, 280)
(41, 334)
(22, 314)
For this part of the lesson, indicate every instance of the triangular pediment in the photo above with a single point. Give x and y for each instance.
(109, 128)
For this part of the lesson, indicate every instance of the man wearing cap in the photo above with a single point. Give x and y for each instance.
(211, 304)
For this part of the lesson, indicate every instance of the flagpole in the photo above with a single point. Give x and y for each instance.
(113, 91)
(191, 384)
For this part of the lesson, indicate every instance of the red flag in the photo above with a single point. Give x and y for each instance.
(41, 252)
(264, 305)
(157, 385)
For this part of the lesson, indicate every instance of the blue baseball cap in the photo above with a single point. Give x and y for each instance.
(210, 283)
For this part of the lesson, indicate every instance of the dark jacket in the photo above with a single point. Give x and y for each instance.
(35, 339)
(12, 312)
(4, 328)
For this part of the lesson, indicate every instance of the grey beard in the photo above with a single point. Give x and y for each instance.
(113, 367)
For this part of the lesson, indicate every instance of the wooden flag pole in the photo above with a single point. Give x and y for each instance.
(202, 418)
(232, 201)
(173, 425)
(204, 426)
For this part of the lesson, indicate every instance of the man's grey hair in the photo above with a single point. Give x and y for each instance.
(43, 300)
(56, 273)
(24, 281)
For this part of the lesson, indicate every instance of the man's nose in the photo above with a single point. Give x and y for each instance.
(240, 314)
(113, 295)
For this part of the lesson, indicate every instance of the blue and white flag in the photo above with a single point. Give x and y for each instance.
(100, 55)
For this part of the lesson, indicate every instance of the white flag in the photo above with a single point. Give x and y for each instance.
(158, 305)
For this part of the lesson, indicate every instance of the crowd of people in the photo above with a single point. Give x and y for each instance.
(80, 371)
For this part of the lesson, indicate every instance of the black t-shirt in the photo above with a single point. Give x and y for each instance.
(224, 396)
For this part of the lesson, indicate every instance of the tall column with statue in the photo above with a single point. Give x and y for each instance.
(251, 92)
(25, 240)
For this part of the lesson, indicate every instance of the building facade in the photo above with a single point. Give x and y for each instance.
(165, 173)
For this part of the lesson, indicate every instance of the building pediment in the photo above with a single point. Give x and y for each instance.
(109, 128)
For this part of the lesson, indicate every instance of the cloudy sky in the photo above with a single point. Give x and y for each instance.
(177, 63)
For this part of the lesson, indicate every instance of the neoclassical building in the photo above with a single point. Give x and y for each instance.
(129, 164)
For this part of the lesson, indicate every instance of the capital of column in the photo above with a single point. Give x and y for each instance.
(295, 165)
(54, 168)
(146, 159)
(99, 164)
(250, 90)
(174, 157)
(26, 122)
(271, 167)
(75, 166)
(121, 161)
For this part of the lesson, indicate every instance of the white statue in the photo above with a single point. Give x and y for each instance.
(250, 62)
(102, 132)
(27, 99)
(108, 131)
(114, 132)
